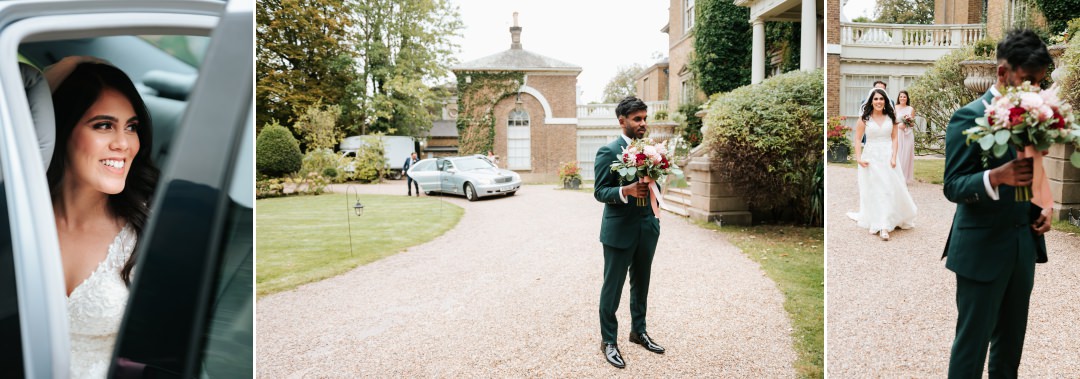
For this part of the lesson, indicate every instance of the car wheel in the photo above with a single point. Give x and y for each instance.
(396, 175)
(427, 193)
(470, 192)
(511, 193)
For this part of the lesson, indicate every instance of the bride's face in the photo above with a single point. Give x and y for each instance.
(103, 144)
(879, 102)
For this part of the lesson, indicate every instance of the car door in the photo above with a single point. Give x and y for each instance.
(215, 198)
(446, 177)
(191, 307)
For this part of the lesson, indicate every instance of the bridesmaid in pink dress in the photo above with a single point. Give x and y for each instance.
(905, 156)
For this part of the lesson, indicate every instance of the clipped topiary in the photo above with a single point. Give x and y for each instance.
(277, 153)
(766, 141)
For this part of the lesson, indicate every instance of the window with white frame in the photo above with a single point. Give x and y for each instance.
(688, 14)
(517, 141)
(856, 90)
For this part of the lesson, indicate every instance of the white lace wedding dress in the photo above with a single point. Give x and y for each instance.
(884, 201)
(95, 308)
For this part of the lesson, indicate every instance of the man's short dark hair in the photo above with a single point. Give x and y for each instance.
(882, 83)
(1023, 48)
(628, 105)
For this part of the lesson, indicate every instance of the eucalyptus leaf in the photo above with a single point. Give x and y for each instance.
(631, 171)
(982, 121)
(986, 142)
(1000, 150)
(1075, 159)
(1001, 136)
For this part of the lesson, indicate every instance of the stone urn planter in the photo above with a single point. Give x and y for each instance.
(573, 183)
(838, 153)
(1056, 52)
(979, 75)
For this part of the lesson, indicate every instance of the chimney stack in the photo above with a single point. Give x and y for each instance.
(515, 34)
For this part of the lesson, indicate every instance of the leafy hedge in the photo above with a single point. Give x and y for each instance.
(722, 41)
(1059, 12)
(277, 153)
(938, 93)
(766, 140)
(1070, 83)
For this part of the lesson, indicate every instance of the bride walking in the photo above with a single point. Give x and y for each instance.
(884, 201)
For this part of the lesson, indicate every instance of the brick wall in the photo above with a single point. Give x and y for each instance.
(657, 85)
(549, 144)
(832, 83)
(833, 14)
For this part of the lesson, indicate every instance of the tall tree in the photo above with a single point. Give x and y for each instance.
(407, 47)
(905, 11)
(302, 57)
(722, 46)
(622, 84)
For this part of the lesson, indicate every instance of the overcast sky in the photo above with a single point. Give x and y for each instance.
(856, 8)
(598, 35)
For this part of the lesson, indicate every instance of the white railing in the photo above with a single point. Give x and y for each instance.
(897, 35)
(599, 111)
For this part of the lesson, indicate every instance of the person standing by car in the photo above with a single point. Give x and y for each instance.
(101, 179)
(410, 183)
(628, 233)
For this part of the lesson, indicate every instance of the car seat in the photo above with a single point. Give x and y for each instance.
(41, 109)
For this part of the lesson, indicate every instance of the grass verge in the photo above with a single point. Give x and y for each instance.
(303, 239)
(794, 258)
(926, 170)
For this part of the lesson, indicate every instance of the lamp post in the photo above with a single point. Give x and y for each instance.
(357, 208)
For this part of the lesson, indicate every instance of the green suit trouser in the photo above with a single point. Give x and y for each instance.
(993, 313)
(637, 261)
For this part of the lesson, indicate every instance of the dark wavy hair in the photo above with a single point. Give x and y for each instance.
(628, 105)
(868, 109)
(1023, 48)
(75, 95)
(905, 94)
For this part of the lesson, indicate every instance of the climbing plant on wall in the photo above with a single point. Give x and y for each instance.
(478, 92)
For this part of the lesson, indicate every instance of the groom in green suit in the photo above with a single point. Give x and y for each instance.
(628, 233)
(995, 241)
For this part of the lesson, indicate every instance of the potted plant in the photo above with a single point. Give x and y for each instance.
(570, 175)
(839, 143)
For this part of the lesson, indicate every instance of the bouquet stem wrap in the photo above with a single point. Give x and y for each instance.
(655, 191)
(1039, 190)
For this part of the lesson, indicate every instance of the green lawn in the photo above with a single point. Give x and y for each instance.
(926, 170)
(794, 258)
(303, 239)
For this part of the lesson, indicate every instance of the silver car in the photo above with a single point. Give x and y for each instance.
(473, 176)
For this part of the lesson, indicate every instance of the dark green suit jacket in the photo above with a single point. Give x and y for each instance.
(621, 227)
(985, 233)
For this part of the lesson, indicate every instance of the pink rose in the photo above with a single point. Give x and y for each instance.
(1029, 100)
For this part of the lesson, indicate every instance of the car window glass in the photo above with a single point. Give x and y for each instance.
(190, 49)
(424, 166)
(11, 358)
(473, 164)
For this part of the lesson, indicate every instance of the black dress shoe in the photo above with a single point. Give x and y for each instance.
(644, 340)
(611, 352)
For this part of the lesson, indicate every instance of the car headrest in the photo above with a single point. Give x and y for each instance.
(165, 116)
(41, 109)
(170, 84)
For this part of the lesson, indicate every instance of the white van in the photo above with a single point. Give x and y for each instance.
(395, 148)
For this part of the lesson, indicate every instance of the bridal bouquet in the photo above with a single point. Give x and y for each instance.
(648, 161)
(1030, 119)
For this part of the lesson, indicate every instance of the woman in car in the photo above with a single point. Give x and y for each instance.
(101, 179)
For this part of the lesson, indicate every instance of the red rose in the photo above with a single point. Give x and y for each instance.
(640, 159)
(1060, 124)
(1016, 116)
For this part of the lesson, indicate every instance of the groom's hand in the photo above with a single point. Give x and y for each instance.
(1016, 173)
(636, 189)
(1041, 225)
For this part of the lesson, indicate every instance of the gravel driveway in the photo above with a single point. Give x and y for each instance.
(891, 305)
(513, 291)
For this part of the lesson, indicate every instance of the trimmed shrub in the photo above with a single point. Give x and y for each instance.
(277, 153)
(370, 161)
(1070, 82)
(317, 161)
(937, 94)
(766, 140)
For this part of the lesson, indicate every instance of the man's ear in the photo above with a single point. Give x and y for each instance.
(1002, 72)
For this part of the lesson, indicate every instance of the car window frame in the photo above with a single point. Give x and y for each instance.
(38, 270)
